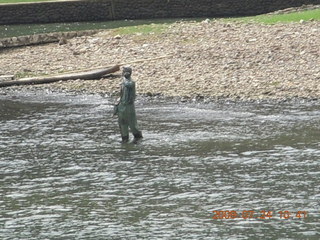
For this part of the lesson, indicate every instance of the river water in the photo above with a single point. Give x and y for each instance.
(64, 174)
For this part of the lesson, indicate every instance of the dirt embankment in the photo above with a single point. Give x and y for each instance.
(208, 59)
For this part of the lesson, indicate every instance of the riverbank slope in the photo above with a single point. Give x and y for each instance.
(211, 59)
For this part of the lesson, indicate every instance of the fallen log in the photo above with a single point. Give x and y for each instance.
(88, 75)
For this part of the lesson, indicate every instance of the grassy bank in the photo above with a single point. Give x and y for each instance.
(144, 26)
(264, 19)
(29, 29)
(281, 18)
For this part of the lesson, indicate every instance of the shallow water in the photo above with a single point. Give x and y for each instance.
(64, 175)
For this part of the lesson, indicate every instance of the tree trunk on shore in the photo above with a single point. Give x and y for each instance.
(89, 75)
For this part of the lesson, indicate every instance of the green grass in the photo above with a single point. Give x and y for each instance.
(142, 29)
(120, 27)
(280, 18)
(265, 19)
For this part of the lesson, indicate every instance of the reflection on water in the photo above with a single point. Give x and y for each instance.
(64, 175)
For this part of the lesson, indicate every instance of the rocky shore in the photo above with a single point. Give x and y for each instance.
(208, 59)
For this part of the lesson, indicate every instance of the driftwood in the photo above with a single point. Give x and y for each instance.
(89, 75)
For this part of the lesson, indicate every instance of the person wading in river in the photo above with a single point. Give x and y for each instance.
(125, 108)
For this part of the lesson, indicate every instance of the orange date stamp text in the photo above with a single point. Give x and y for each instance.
(262, 214)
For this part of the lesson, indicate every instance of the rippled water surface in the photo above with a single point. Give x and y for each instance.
(64, 174)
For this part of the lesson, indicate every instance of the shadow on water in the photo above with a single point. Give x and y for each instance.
(64, 174)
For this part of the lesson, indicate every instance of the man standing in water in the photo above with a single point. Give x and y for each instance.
(125, 108)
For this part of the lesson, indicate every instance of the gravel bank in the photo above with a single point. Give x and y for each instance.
(210, 59)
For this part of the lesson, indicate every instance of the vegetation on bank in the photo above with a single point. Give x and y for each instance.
(264, 19)
(145, 26)
(142, 29)
(281, 18)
